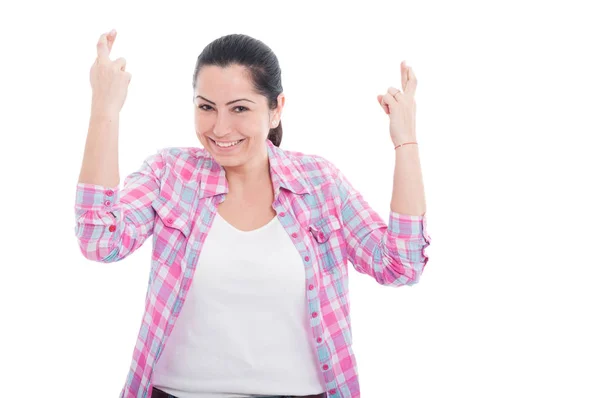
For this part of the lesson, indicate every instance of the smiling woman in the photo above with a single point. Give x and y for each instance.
(238, 98)
(233, 130)
(248, 290)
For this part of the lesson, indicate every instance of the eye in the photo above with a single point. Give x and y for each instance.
(237, 109)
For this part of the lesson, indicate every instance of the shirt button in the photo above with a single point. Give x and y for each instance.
(321, 235)
(107, 203)
(332, 391)
(282, 214)
(294, 235)
(306, 258)
(170, 221)
(109, 193)
(310, 287)
(325, 367)
(314, 314)
(319, 340)
(112, 228)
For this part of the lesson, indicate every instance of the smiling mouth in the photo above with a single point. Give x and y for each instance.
(229, 144)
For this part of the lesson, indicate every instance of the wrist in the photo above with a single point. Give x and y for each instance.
(102, 108)
(405, 142)
(402, 140)
(102, 112)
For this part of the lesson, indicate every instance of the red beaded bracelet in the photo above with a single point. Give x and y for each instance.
(406, 143)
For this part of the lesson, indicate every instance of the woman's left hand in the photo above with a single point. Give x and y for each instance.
(401, 107)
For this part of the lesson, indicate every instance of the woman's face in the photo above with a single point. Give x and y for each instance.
(232, 120)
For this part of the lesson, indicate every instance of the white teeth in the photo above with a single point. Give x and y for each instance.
(227, 145)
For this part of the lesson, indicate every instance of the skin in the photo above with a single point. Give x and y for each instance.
(247, 167)
(249, 119)
(109, 80)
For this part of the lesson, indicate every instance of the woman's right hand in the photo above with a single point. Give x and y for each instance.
(108, 78)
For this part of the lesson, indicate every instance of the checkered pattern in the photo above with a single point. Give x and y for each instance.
(173, 198)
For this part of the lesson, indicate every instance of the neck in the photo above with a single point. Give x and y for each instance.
(252, 175)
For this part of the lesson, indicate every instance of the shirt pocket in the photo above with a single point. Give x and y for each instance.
(171, 230)
(329, 243)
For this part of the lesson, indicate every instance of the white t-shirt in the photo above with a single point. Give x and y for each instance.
(243, 330)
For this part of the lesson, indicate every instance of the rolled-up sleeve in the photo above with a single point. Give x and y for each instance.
(393, 253)
(111, 223)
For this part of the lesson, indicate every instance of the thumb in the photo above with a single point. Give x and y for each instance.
(120, 63)
(383, 105)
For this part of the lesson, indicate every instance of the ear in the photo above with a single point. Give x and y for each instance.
(276, 113)
(280, 103)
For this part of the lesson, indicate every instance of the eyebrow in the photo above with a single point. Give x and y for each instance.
(230, 102)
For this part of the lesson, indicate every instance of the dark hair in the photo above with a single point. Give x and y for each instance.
(257, 57)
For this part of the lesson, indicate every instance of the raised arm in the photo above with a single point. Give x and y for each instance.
(393, 253)
(110, 224)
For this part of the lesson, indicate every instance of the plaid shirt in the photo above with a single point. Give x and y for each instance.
(174, 196)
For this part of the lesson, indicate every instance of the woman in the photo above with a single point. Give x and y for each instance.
(248, 289)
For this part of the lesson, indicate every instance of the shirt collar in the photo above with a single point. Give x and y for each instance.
(285, 173)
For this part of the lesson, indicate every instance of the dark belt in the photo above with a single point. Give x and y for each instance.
(156, 393)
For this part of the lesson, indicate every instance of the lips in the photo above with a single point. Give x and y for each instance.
(228, 145)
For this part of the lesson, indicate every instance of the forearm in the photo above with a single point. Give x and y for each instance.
(112, 221)
(100, 164)
(408, 195)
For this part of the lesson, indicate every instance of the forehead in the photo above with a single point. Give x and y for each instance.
(217, 81)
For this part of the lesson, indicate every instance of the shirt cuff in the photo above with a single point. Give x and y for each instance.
(91, 197)
(408, 226)
(96, 204)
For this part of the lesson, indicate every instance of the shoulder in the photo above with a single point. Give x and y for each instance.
(182, 157)
(323, 176)
(182, 154)
(181, 160)
(314, 167)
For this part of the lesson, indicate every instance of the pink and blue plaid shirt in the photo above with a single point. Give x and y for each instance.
(174, 196)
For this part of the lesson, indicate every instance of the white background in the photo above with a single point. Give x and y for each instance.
(507, 124)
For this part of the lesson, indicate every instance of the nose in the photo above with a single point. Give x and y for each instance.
(222, 126)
